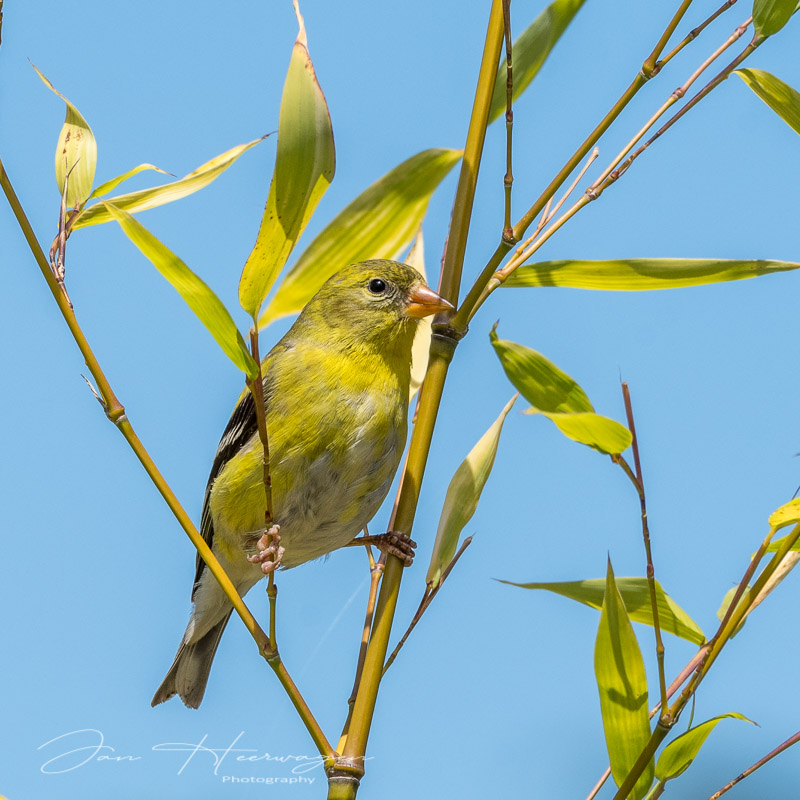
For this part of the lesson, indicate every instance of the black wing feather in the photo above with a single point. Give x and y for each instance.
(241, 426)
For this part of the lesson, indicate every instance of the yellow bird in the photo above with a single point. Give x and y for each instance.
(336, 390)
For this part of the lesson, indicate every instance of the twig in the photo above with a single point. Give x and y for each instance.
(651, 574)
(648, 68)
(508, 180)
(427, 599)
(760, 763)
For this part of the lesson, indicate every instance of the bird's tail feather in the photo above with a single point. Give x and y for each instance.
(188, 675)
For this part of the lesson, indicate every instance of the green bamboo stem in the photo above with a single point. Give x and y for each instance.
(115, 411)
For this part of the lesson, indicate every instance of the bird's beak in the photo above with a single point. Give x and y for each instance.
(422, 302)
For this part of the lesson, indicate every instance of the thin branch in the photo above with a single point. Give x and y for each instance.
(651, 573)
(115, 412)
(760, 763)
(427, 599)
(648, 68)
(508, 180)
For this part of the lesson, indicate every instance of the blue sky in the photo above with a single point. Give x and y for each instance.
(495, 691)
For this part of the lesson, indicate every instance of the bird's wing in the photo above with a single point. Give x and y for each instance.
(241, 426)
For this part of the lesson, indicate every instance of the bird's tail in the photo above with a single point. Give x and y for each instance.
(188, 674)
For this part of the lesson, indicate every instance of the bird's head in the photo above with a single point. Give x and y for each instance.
(375, 303)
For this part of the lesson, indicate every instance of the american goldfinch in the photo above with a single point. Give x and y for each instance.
(336, 390)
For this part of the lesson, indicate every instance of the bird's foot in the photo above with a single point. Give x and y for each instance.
(270, 552)
(394, 544)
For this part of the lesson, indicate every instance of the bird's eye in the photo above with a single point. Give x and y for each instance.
(377, 286)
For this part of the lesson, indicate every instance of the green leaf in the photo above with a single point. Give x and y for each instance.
(142, 199)
(787, 514)
(600, 433)
(109, 186)
(681, 751)
(769, 16)
(635, 594)
(198, 296)
(463, 495)
(775, 545)
(530, 51)
(726, 601)
(379, 223)
(76, 152)
(558, 397)
(622, 683)
(779, 96)
(538, 380)
(304, 167)
(642, 274)
(422, 338)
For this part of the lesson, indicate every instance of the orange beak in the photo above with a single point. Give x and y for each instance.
(422, 302)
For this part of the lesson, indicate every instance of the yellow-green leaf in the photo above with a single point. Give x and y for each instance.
(635, 594)
(463, 495)
(769, 16)
(142, 199)
(304, 167)
(600, 433)
(108, 186)
(530, 51)
(787, 514)
(776, 545)
(198, 296)
(779, 96)
(538, 380)
(422, 338)
(76, 153)
(726, 602)
(379, 223)
(642, 274)
(622, 683)
(681, 751)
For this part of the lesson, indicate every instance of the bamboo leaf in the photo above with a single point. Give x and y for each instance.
(787, 514)
(422, 338)
(642, 274)
(681, 751)
(76, 152)
(379, 223)
(558, 397)
(779, 96)
(530, 51)
(635, 594)
(98, 213)
(622, 683)
(108, 186)
(304, 167)
(725, 604)
(775, 545)
(198, 296)
(538, 380)
(463, 495)
(600, 433)
(769, 16)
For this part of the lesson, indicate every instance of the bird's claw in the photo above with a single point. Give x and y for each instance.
(399, 545)
(270, 552)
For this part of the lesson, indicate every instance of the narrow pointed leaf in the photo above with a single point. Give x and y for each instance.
(304, 167)
(76, 152)
(776, 545)
(622, 683)
(463, 495)
(600, 433)
(530, 51)
(680, 752)
(635, 594)
(422, 338)
(642, 274)
(787, 514)
(198, 296)
(379, 223)
(109, 186)
(538, 380)
(143, 199)
(779, 96)
(769, 16)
